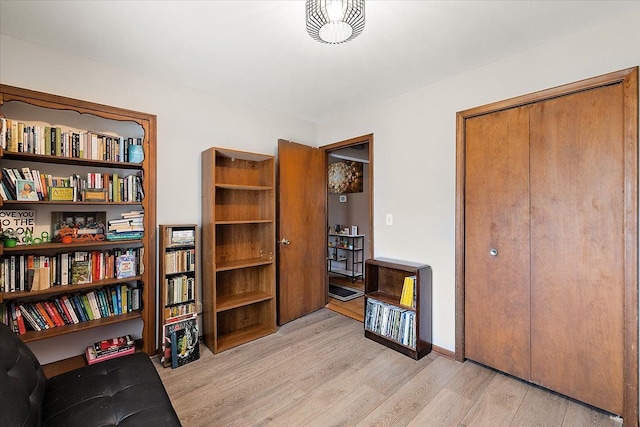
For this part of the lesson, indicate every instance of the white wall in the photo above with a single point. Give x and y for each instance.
(188, 123)
(415, 145)
(414, 134)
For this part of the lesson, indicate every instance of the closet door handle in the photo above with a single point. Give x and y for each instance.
(493, 252)
(284, 241)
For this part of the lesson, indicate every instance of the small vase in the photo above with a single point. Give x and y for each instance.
(10, 243)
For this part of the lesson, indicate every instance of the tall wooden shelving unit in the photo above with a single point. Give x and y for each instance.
(178, 263)
(47, 104)
(238, 247)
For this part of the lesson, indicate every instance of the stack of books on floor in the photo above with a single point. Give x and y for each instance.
(129, 227)
(110, 349)
(180, 341)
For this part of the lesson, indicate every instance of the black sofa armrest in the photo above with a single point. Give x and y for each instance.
(22, 382)
(125, 391)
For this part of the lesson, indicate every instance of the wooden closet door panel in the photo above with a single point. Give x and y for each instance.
(497, 217)
(577, 235)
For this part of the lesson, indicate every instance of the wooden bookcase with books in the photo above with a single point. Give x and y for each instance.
(238, 247)
(404, 328)
(81, 149)
(178, 267)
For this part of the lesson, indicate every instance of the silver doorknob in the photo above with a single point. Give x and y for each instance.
(285, 241)
(493, 252)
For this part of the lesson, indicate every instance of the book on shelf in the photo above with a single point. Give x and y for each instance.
(132, 214)
(128, 235)
(390, 321)
(12, 316)
(95, 187)
(125, 266)
(61, 194)
(136, 153)
(80, 272)
(179, 261)
(408, 296)
(176, 312)
(29, 318)
(73, 308)
(33, 138)
(179, 289)
(41, 279)
(38, 272)
(129, 222)
(181, 237)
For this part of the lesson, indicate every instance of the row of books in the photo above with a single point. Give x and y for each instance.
(129, 222)
(391, 321)
(70, 309)
(125, 235)
(74, 188)
(180, 261)
(179, 310)
(109, 349)
(32, 138)
(180, 289)
(39, 272)
(180, 341)
(180, 236)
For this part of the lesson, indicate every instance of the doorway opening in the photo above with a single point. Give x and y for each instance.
(349, 223)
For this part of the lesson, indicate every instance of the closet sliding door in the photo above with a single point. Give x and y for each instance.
(577, 246)
(547, 239)
(497, 241)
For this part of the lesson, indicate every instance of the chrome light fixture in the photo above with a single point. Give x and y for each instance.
(335, 21)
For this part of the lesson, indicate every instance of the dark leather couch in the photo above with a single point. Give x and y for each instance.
(125, 391)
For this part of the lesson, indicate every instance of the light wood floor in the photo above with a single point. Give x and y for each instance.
(320, 371)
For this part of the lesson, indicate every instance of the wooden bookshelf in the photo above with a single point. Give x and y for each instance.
(238, 247)
(179, 258)
(42, 109)
(384, 279)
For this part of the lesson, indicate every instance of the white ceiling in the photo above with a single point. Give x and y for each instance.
(258, 52)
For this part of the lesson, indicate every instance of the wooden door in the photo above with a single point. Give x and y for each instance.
(578, 241)
(302, 224)
(497, 284)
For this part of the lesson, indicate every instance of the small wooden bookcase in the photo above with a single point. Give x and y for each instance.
(384, 279)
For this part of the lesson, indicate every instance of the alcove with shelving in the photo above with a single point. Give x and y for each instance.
(37, 111)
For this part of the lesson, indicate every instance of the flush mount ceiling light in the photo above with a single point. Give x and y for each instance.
(335, 21)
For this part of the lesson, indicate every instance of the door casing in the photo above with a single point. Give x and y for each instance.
(363, 139)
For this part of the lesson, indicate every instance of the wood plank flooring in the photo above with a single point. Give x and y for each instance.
(320, 371)
(353, 308)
